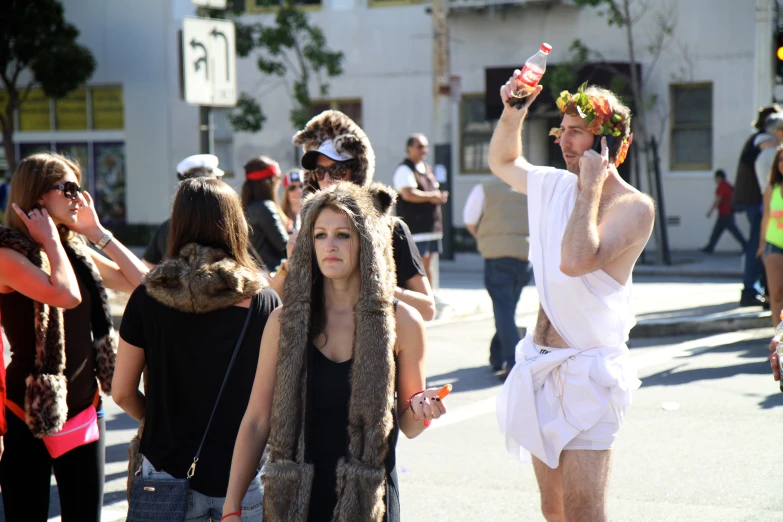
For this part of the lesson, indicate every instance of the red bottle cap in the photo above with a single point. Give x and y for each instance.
(545, 47)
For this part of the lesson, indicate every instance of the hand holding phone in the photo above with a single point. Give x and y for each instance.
(597, 143)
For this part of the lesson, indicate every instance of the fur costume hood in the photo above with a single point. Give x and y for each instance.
(201, 279)
(361, 475)
(45, 399)
(348, 137)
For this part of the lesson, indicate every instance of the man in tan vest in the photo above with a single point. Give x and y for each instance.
(496, 215)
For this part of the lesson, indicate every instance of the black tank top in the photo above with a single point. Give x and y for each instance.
(327, 436)
(18, 319)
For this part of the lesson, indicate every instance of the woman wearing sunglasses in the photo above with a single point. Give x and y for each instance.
(337, 149)
(292, 197)
(57, 319)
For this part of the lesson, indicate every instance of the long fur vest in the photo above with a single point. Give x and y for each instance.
(287, 477)
(45, 400)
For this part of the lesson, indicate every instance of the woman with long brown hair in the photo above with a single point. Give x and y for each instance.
(292, 196)
(183, 323)
(268, 233)
(56, 316)
(771, 242)
(350, 365)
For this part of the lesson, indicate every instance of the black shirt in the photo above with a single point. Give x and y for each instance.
(18, 319)
(159, 244)
(187, 355)
(407, 258)
(267, 232)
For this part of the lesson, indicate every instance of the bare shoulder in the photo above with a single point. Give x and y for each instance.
(408, 318)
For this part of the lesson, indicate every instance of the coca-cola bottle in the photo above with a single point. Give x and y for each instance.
(530, 75)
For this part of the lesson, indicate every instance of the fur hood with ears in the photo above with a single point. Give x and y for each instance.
(348, 137)
(361, 474)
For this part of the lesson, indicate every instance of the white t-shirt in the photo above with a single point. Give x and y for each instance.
(474, 206)
(404, 178)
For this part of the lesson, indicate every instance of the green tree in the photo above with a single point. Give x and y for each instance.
(39, 45)
(291, 46)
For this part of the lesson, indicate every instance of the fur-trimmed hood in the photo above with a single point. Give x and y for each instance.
(361, 475)
(47, 388)
(347, 136)
(201, 279)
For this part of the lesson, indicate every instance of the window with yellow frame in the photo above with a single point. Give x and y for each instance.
(691, 126)
(350, 107)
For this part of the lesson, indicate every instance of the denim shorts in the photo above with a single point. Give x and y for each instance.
(204, 509)
(769, 248)
(433, 246)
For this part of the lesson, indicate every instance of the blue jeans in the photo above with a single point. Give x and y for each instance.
(505, 278)
(754, 268)
(725, 223)
(205, 509)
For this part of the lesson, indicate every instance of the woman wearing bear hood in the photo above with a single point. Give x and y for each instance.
(337, 149)
(348, 357)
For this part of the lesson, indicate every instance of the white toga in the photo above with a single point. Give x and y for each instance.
(550, 398)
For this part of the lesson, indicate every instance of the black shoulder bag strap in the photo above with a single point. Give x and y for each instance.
(253, 304)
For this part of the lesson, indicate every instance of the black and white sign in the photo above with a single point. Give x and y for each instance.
(214, 4)
(209, 62)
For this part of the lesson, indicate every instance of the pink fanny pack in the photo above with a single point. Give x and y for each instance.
(77, 431)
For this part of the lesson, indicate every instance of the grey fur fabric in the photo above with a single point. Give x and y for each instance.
(287, 478)
(45, 398)
(201, 279)
(347, 136)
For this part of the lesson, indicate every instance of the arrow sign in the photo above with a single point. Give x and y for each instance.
(209, 45)
(215, 33)
(202, 59)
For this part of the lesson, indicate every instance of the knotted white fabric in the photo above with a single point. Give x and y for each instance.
(549, 398)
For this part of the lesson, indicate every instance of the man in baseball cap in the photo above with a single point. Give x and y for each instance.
(196, 166)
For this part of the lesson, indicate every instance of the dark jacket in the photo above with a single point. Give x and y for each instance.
(267, 235)
(746, 185)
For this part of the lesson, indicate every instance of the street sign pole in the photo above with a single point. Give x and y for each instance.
(206, 130)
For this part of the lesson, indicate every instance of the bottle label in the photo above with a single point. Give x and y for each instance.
(530, 75)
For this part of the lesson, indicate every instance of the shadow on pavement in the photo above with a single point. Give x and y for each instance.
(696, 310)
(673, 377)
(468, 379)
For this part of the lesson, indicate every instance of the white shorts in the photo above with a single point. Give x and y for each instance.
(601, 436)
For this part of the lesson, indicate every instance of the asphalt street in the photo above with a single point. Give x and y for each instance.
(699, 442)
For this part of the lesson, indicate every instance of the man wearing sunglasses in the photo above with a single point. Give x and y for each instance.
(338, 150)
(196, 166)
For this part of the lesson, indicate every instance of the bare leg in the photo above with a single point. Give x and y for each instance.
(585, 484)
(426, 260)
(773, 264)
(550, 483)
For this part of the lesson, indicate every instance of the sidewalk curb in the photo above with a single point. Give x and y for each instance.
(698, 325)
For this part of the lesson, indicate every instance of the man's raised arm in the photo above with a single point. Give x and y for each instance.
(505, 149)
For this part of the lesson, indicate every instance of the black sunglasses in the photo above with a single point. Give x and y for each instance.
(337, 171)
(70, 189)
(294, 186)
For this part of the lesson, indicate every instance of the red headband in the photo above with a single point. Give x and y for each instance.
(271, 170)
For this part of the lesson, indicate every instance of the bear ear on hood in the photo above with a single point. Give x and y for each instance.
(383, 197)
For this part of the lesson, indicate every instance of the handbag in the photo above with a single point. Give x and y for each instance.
(77, 431)
(159, 500)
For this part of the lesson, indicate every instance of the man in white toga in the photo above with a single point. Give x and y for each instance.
(565, 398)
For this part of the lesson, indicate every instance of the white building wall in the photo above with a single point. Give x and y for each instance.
(388, 65)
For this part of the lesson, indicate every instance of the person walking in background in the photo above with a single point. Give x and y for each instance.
(771, 243)
(292, 197)
(725, 221)
(57, 319)
(350, 368)
(183, 323)
(420, 199)
(496, 215)
(196, 166)
(268, 233)
(747, 198)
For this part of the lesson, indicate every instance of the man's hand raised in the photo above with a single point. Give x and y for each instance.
(513, 85)
(594, 167)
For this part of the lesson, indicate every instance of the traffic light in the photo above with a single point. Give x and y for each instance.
(779, 56)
